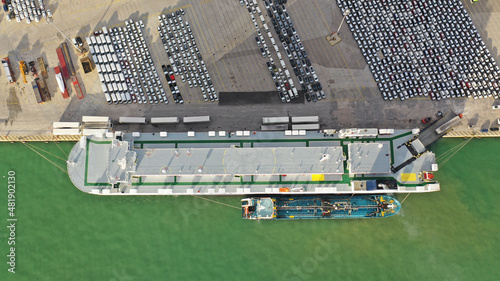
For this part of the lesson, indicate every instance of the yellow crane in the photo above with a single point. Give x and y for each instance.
(24, 69)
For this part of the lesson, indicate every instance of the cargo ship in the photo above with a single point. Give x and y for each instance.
(319, 207)
(252, 164)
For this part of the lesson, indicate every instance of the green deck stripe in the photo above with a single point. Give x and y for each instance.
(345, 180)
(86, 161)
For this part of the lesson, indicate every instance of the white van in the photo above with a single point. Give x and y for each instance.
(282, 62)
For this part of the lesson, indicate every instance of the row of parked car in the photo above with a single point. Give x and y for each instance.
(280, 74)
(422, 48)
(25, 9)
(294, 50)
(125, 66)
(185, 58)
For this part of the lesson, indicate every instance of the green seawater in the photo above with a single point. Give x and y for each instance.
(64, 234)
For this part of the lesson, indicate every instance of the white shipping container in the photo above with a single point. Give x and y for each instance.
(305, 119)
(275, 120)
(164, 120)
(60, 125)
(66, 132)
(196, 119)
(305, 127)
(100, 119)
(134, 120)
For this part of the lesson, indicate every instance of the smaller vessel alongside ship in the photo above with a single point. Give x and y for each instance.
(319, 207)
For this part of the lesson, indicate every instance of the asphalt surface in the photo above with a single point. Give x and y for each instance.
(225, 34)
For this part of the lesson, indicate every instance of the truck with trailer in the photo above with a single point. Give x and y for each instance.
(62, 62)
(8, 70)
(36, 91)
(42, 67)
(275, 120)
(305, 127)
(164, 120)
(67, 57)
(133, 120)
(196, 119)
(305, 119)
(76, 85)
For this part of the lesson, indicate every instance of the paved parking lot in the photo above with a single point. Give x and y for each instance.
(225, 35)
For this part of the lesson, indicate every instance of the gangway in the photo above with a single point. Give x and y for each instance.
(439, 128)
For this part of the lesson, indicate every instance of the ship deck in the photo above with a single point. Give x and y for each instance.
(237, 164)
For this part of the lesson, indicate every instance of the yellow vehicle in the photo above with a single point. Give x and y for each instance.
(24, 70)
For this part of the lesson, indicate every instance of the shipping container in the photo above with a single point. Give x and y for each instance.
(275, 120)
(8, 70)
(101, 119)
(67, 56)
(279, 127)
(61, 125)
(36, 91)
(196, 119)
(66, 132)
(62, 62)
(133, 120)
(305, 127)
(95, 132)
(305, 119)
(164, 120)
